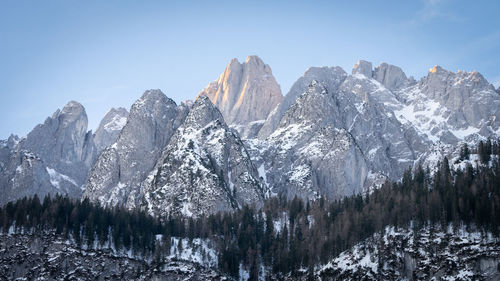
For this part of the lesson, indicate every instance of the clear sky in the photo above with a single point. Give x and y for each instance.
(106, 53)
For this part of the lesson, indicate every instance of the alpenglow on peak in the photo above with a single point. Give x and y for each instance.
(244, 92)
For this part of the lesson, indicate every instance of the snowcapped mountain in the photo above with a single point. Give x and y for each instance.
(389, 122)
(123, 166)
(450, 107)
(332, 135)
(54, 157)
(331, 76)
(245, 94)
(110, 127)
(205, 168)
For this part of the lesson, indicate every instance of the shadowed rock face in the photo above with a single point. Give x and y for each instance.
(204, 169)
(245, 92)
(392, 77)
(119, 170)
(110, 127)
(54, 157)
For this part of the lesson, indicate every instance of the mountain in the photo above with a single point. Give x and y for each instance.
(450, 107)
(332, 135)
(54, 157)
(120, 169)
(204, 169)
(331, 76)
(110, 127)
(244, 93)
(390, 122)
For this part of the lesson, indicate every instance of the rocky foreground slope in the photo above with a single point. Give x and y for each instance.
(50, 257)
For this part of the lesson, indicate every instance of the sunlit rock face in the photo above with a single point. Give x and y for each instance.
(110, 127)
(363, 67)
(245, 92)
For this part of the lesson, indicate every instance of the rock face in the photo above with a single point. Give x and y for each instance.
(336, 142)
(330, 76)
(363, 67)
(389, 123)
(333, 135)
(110, 127)
(450, 107)
(245, 92)
(118, 172)
(203, 169)
(392, 77)
(54, 157)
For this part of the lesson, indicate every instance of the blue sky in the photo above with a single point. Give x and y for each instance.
(106, 53)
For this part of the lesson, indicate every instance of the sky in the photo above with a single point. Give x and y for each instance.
(105, 54)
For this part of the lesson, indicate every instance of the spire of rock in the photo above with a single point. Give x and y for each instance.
(245, 92)
(363, 67)
(110, 127)
(391, 76)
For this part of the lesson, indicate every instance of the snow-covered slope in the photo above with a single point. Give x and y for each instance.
(392, 121)
(430, 253)
(48, 256)
(203, 169)
(120, 169)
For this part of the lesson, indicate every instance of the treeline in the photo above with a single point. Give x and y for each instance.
(286, 236)
(86, 223)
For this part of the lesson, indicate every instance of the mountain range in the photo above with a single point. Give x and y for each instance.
(332, 135)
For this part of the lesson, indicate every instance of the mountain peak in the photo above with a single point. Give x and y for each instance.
(436, 69)
(152, 94)
(390, 76)
(254, 59)
(203, 112)
(363, 67)
(110, 127)
(73, 107)
(244, 92)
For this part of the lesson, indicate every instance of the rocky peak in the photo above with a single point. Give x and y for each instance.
(331, 77)
(110, 127)
(73, 108)
(363, 67)
(12, 141)
(391, 76)
(62, 137)
(245, 92)
(203, 112)
(203, 169)
(54, 157)
(119, 170)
